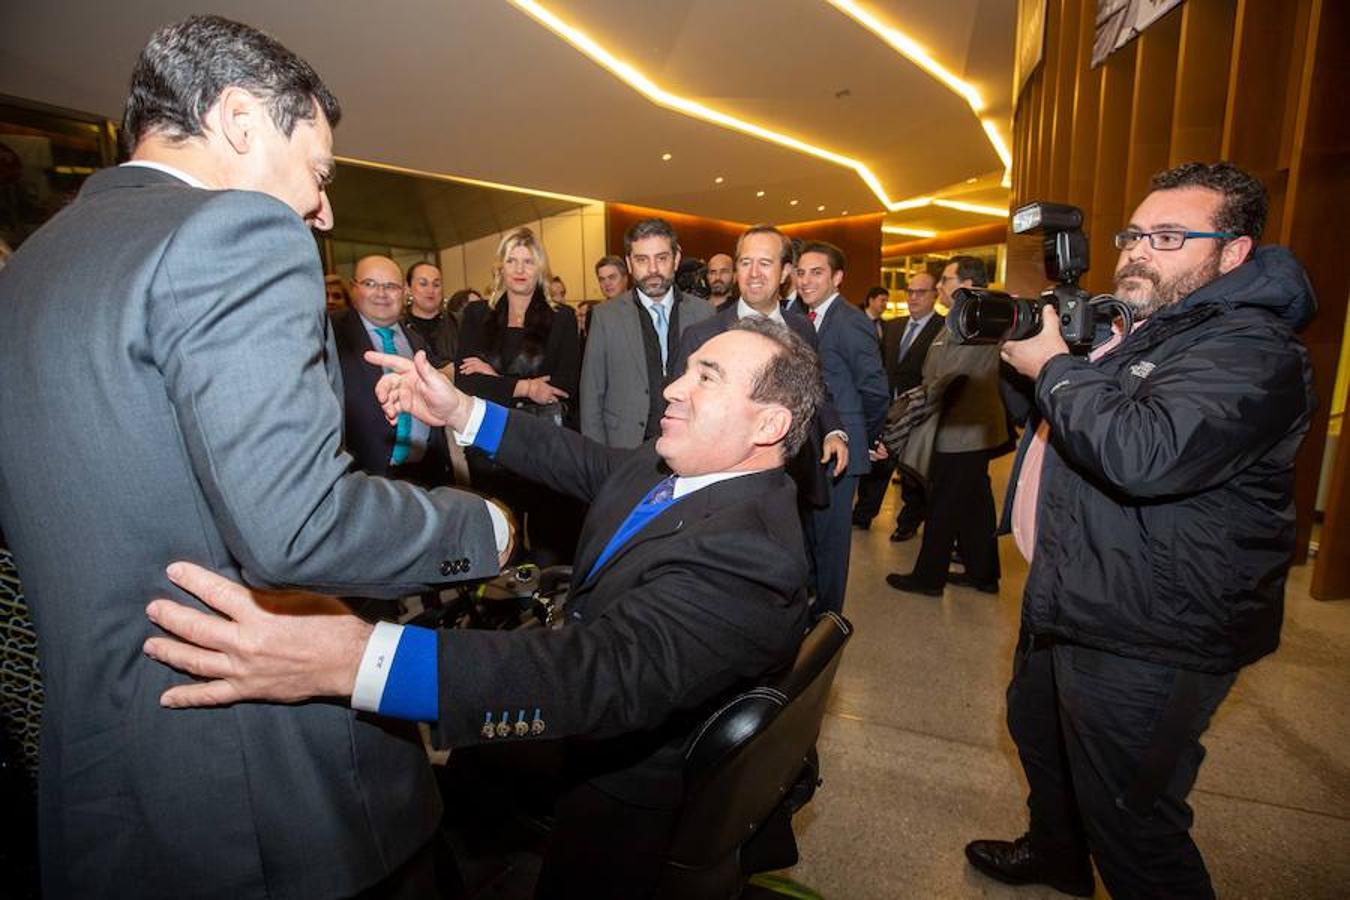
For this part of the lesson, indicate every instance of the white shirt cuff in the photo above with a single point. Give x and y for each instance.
(501, 528)
(466, 437)
(375, 664)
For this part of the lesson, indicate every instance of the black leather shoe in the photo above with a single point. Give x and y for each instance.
(1019, 862)
(912, 585)
(962, 579)
(900, 535)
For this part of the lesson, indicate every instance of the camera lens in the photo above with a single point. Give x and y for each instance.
(980, 316)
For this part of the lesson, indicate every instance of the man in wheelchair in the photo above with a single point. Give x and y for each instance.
(689, 583)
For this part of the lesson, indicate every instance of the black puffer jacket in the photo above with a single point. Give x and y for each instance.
(1165, 523)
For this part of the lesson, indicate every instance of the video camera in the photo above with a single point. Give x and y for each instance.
(692, 277)
(982, 316)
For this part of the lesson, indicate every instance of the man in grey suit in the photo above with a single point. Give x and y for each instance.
(973, 423)
(633, 339)
(201, 420)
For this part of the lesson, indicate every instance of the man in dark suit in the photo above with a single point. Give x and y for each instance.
(763, 256)
(408, 449)
(632, 341)
(904, 345)
(202, 421)
(689, 581)
(851, 362)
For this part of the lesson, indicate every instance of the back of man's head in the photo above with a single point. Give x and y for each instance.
(791, 378)
(1242, 211)
(970, 268)
(184, 68)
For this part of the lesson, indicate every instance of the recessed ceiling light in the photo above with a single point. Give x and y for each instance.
(665, 157)
(759, 193)
(718, 180)
(843, 212)
(792, 203)
(820, 208)
(971, 180)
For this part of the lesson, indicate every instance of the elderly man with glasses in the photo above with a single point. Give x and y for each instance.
(408, 450)
(1154, 499)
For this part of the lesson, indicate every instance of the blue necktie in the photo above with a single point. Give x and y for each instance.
(662, 326)
(403, 430)
(649, 507)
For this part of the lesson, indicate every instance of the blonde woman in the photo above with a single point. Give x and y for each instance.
(520, 351)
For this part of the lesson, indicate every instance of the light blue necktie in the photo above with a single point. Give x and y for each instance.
(403, 430)
(662, 326)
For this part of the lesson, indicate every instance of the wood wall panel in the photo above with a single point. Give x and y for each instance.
(1318, 197)
(1257, 82)
(1155, 78)
(1203, 62)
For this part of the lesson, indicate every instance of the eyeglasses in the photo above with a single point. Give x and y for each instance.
(919, 291)
(1167, 239)
(388, 287)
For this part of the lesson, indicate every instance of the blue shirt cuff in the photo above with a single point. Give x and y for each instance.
(489, 436)
(412, 690)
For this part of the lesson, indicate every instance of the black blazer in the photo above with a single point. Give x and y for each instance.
(481, 333)
(903, 374)
(366, 434)
(709, 595)
(812, 478)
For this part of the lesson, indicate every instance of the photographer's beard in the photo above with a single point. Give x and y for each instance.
(1145, 291)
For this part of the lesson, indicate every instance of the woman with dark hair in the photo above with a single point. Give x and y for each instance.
(519, 350)
(426, 315)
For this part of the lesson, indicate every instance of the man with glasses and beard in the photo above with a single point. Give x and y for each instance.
(1154, 497)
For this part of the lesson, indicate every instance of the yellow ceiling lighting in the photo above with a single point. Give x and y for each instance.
(908, 232)
(911, 50)
(629, 74)
(979, 208)
(440, 176)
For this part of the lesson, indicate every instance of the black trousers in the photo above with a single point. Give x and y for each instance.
(1111, 749)
(960, 511)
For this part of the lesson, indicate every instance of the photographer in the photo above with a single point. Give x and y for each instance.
(1155, 504)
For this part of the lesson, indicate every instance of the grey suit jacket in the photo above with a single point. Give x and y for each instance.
(615, 396)
(199, 419)
(972, 413)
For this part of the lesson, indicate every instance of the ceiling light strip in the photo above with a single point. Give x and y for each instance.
(908, 232)
(909, 48)
(649, 89)
(460, 179)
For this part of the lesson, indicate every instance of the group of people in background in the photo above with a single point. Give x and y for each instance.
(602, 367)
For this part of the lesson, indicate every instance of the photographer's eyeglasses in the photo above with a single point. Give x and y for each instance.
(389, 287)
(1165, 240)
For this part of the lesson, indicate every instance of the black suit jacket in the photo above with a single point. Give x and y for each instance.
(903, 374)
(812, 478)
(366, 434)
(708, 595)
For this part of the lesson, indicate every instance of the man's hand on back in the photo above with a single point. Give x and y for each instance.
(278, 646)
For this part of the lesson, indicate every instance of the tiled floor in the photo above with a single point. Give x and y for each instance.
(917, 760)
